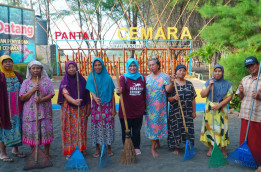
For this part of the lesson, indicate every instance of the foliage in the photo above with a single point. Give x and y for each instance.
(21, 68)
(235, 103)
(236, 26)
(205, 52)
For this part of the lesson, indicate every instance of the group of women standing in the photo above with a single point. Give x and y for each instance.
(143, 97)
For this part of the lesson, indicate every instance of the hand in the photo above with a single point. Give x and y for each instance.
(77, 102)
(211, 82)
(172, 77)
(194, 115)
(176, 97)
(113, 113)
(118, 90)
(37, 99)
(255, 95)
(35, 88)
(97, 100)
(216, 107)
(241, 88)
(88, 113)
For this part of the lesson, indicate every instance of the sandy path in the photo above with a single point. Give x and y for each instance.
(166, 161)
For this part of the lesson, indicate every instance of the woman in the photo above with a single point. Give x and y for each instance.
(133, 89)
(37, 82)
(106, 100)
(187, 95)
(69, 101)
(10, 109)
(157, 84)
(222, 95)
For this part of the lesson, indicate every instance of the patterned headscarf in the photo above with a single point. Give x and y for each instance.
(8, 73)
(28, 73)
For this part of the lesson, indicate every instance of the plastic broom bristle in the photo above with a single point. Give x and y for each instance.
(242, 156)
(104, 159)
(217, 158)
(190, 152)
(76, 161)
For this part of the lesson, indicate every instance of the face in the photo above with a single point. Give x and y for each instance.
(153, 66)
(36, 70)
(97, 66)
(253, 69)
(218, 73)
(132, 68)
(181, 73)
(8, 64)
(71, 69)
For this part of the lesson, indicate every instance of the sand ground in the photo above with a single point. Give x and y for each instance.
(164, 163)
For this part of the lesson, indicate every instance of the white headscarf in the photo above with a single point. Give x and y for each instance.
(28, 74)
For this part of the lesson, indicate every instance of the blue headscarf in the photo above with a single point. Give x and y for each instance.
(133, 76)
(104, 82)
(221, 86)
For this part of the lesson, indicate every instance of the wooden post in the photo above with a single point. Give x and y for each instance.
(113, 60)
(123, 60)
(119, 66)
(165, 62)
(60, 67)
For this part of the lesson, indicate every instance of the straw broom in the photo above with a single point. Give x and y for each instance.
(128, 155)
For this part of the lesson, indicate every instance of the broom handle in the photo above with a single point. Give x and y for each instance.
(253, 101)
(212, 97)
(176, 89)
(95, 84)
(37, 132)
(183, 118)
(121, 98)
(78, 92)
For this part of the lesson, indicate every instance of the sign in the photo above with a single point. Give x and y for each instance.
(136, 33)
(17, 33)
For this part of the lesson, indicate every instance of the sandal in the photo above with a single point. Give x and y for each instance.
(110, 154)
(19, 155)
(96, 155)
(67, 157)
(7, 159)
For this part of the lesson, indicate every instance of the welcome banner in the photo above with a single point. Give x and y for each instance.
(17, 33)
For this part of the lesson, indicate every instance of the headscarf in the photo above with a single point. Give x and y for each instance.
(221, 86)
(133, 76)
(179, 67)
(104, 82)
(8, 73)
(70, 83)
(28, 73)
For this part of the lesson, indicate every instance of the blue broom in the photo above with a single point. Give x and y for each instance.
(76, 160)
(242, 155)
(190, 152)
(104, 158)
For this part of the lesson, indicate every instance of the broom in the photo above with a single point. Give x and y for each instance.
(104, 159)
(242, 155)
(128, 155)
(217, 158)
(37, 159)
(76, 160)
